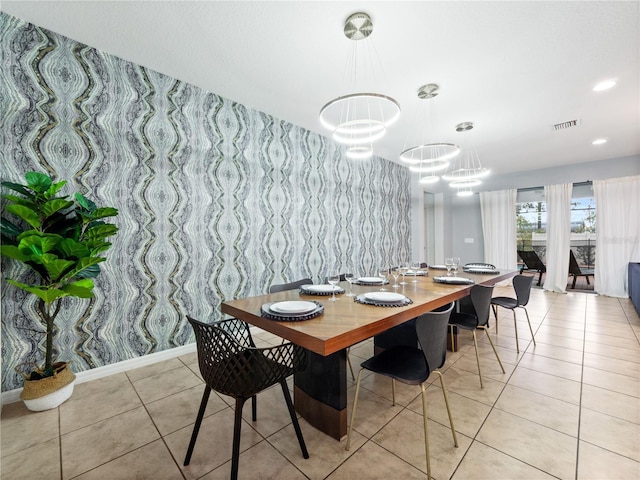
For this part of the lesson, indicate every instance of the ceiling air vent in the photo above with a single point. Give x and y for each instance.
(568, 124)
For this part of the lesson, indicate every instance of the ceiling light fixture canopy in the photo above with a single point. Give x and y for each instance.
(467, 170)
(359, 119)
(429, 158)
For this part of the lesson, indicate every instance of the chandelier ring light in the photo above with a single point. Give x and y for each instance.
(439, 153)
(361, 118)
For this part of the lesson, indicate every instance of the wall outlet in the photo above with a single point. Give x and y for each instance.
(468, 240)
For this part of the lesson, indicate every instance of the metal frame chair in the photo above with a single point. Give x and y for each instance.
(522, 286)
(231, 364)
(481, 302)
(413, 366)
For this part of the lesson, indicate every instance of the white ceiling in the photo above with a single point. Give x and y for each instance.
(512, 68)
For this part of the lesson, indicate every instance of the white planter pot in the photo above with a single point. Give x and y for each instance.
(51, 400)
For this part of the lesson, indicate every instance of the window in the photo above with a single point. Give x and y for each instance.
(531, 211)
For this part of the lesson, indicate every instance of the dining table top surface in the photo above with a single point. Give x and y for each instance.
(346, 322)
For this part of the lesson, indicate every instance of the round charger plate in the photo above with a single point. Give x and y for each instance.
(386, 297)
(293, 307)
(438, 267)
(454, 280)
(480, 270)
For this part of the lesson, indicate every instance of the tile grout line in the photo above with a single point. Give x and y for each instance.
(584, 342)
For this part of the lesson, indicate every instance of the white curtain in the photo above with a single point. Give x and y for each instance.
(498, 210)
(617, 232)
(558, 199)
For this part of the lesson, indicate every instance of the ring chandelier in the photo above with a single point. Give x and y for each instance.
(359, 119)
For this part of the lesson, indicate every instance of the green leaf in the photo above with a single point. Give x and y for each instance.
(9, 229)
(16, 187)
(82, 265)
(38, 182)
(71, 248)
(104, 212)
(26, 214)
(85, 202)
(56, 267)
(11, 251)
(82, 288)
(55, 188)
(27, 202)
(38, 242)
(101, 231)
(91, 271)
(55, 205)
(45, 293)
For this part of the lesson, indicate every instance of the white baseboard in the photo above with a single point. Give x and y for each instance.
(12, 396)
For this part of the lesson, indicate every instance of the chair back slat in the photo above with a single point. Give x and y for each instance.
(431, 329)
(522, 285)
(281, 287)
(481, 300)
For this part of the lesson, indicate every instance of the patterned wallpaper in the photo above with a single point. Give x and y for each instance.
(216, 200)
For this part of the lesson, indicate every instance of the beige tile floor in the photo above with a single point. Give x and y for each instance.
(567, 408)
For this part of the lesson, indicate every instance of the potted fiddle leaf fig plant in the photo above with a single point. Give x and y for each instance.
(60, 241)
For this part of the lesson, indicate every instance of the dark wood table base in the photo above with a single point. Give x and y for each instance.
(320, 393)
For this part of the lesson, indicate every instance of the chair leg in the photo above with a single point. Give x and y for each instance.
(530, 329)
(475, 343)
(426, 430)
(353, 411)
(494, 351)
(539, 277)
(393, 392)
(573, 285)
(294, 418)
(196, 427)
(446, 402)
(237, 426)
(495, 314)
(587, 277)
(254, 408)
(453, 343)
(515, 327)
(353, 377)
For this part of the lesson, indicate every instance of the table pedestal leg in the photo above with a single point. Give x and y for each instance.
(320, 393)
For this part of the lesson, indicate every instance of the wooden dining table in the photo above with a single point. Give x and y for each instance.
(320, 387)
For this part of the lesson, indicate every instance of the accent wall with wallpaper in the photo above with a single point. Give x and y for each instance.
(217, 201)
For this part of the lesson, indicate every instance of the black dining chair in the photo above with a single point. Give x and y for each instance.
(477, 318)
(522, 285)
(281, 287)
(413, 365)
(231, 364)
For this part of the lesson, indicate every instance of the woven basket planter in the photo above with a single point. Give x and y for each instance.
(49, 392)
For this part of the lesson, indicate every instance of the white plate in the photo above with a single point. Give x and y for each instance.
(293, 307)
(321, 288)
(386, 297)
(414, 272)
(370, 279)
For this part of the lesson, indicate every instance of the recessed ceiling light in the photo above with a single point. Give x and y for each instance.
(599, 141)
(606, 85)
